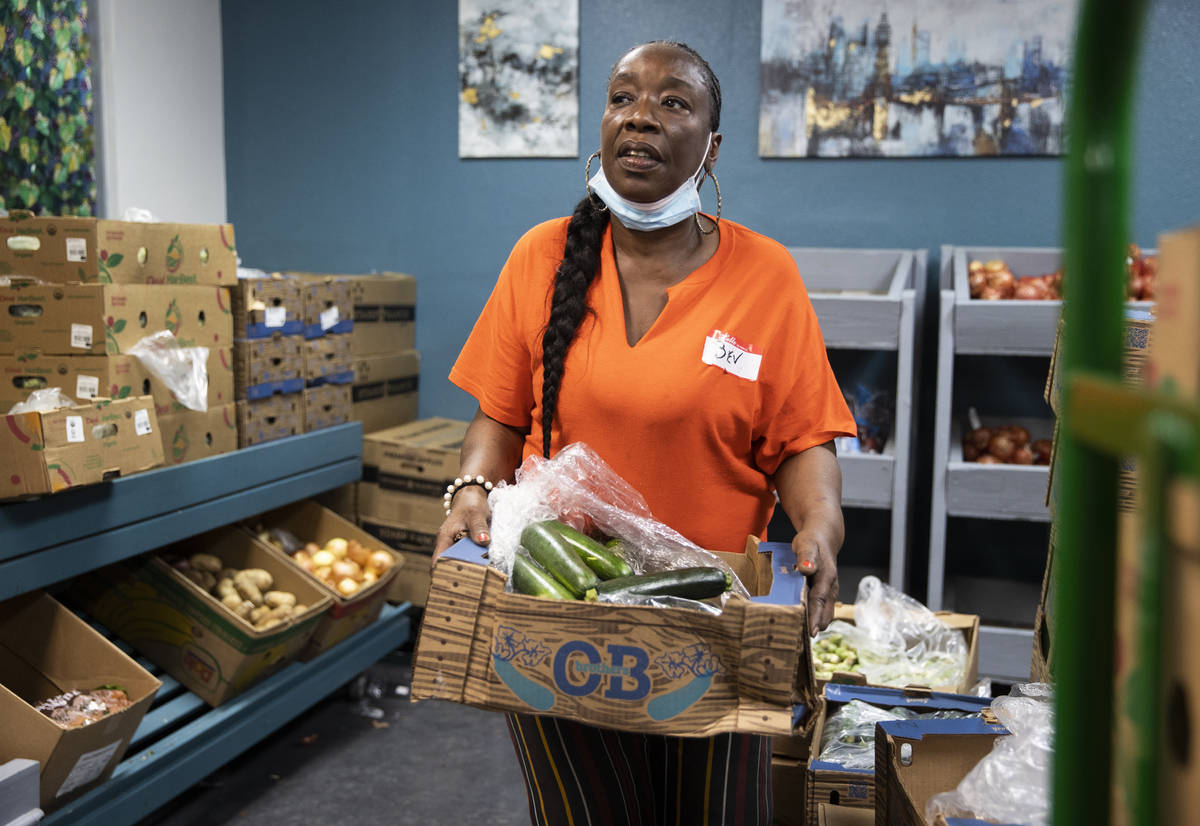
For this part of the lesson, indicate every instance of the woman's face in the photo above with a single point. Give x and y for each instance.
(656, 122)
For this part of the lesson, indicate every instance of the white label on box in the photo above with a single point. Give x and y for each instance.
(141, 422)
(329, 318)
(77, 249)
(87, 387)
(74, 428)
(81, 336)
(724, 351)
(276, 316)
(88, 767)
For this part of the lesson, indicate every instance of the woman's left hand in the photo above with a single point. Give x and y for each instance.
(820, 566)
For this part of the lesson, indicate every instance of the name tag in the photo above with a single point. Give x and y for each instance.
(733, 356)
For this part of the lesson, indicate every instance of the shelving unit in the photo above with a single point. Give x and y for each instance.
(870, 299)
(181, 739)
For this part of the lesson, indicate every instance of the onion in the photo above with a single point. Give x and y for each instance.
(995, 265)
(1002, 446)
(975, 266)
(991, 294)
(347, 586)
(357, 552)
(337, 546)
(980, 438)
(970, 452)
(1042, 448)
(346, 569)
(381, 561)
(1020, 435)
(988, 459)
(1029, 292)
(323, 558)
(1023, 455)
(976, 281)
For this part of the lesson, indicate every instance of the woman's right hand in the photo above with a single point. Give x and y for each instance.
(469, 516)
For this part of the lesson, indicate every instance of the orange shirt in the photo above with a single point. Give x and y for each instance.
(697, 440)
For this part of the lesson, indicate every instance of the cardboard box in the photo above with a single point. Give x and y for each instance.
(1173, 361)
(190, 435)
(386, 389)
(94, 250)
(271, 418)
(423, 512)
(309, 522)
(342, 500)
(327, 360)
(420, 457)
(326, 406)
(268, 366)
(916, 759)
(116, 377)
(81, 319)
(74, 446)
(788, 791)
(834, 784)
(328, 308)
(798, 745)
(829, 815)
(46, 650)
(635, 668)
(415, 544)
(385, 311)
(1139, 332)
(968, 624)
(267, 307)
(186, 631)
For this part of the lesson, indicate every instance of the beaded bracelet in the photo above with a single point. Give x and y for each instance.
(458, 484)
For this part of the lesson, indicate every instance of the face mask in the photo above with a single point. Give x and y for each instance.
(680, 205)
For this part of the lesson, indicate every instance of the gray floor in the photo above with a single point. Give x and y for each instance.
(367, 760)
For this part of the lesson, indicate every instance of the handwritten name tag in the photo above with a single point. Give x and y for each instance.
(724, 351)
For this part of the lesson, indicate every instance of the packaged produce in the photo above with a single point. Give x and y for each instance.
(848, 738)
(75, 708)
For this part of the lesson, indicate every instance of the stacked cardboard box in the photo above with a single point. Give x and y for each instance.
(268, 358)
(328, 322)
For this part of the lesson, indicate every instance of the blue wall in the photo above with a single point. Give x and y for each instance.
(342, 154)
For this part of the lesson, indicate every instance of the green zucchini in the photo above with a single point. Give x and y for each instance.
(607, 564)
(694, 583)
(558, 557)
(530, 578)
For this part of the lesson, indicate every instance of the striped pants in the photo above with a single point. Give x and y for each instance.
(580, 775)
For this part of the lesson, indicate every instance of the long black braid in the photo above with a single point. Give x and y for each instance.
(581, 262)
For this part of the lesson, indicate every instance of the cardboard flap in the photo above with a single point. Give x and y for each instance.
(444, 647)
(772, 645)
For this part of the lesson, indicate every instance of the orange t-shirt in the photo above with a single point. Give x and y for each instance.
(730, 380)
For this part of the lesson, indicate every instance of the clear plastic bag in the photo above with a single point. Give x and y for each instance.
(1012, 783)
(849, 734)
(899, 641)
(184, 370)
(578, 488)
(43, 401)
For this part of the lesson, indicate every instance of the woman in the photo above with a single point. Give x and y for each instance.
(684, 350)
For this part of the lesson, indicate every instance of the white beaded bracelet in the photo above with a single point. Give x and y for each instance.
(462, 482)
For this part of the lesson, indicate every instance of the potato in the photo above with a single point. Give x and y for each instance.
(278, 598)
(205, 579)
(259, 577)
(205, 562)
(225, 589)
(248, 587)
(258, 613)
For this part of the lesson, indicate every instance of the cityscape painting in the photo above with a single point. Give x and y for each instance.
(905, 78)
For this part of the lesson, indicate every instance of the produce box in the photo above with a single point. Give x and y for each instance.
(835, 784)
(1173, 361)
(385, 310)
(309, 522)
(788, 791)
(271, 418)
(342, 500)
(267, 366)
(327, 360)
(328, 308)
(424, 512)
(385, 389)
(267, 307)
(916, 759)
(46, 650)
(967, 623)
(1139, 330)
(190, 434)
(188, 632)
(65, 249)
(830, 815)
(82, 445)
(415, 545)
(420, 457)
(326, 406)
(636, 668)
(86, 377)
(74, 319)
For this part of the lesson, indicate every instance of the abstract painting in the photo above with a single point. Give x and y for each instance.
(518, 66)
(904, 78)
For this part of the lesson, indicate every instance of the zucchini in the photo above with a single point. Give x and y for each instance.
(558, 557)
(530, 578)
(608, 564)
(693, 583)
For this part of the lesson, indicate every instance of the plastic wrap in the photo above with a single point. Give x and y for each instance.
(138, 215)
(1012, 783)
(578, 488)
(849, 734)
(184, 370)
(897, 641)
(43, 401)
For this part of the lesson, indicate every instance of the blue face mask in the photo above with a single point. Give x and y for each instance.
(680, 205)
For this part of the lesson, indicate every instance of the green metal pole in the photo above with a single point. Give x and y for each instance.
(1097, 230)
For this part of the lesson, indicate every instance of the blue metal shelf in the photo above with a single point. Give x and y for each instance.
(181, 740)
(56, 537)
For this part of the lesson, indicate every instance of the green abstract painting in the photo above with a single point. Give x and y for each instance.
(47, 157)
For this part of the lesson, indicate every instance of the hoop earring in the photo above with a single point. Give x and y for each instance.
(696, 216)
(595, 201)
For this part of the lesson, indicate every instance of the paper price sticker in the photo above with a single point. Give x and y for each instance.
(329, 318)
(141, 422)
(77, 250)
(81, 336)
(276, 316)
(74, 428)
(88, 767)
(724, 351)
(87, 387)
